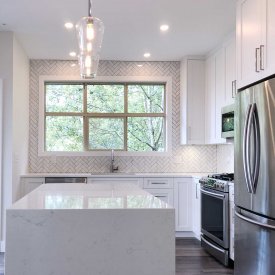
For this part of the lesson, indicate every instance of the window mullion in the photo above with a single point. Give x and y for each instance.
(85, 120)
(126, 117)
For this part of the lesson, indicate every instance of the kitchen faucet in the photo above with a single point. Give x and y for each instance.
(113, 168)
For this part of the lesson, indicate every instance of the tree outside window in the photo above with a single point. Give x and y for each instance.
(104, 116)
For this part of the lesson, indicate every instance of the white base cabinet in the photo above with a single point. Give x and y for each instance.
(161, 188)
(29, 184)
(165, 195)
(183, 203)
(196, 208)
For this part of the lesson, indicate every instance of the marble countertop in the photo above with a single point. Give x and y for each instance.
(118, 175)
(89, 196)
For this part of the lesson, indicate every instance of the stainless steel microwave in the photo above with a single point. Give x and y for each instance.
(228, 121)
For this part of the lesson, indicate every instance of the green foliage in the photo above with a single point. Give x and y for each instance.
(65, 132)
(64, 98)
(105, 98)
(145, 98)
(106, 133)
(145, 134)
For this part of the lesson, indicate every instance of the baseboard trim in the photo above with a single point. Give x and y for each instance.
(185, 234)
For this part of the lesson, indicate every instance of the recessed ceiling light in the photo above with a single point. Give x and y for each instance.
(139, 65)
(73, 65)
(164, 28)
(72, 54)
(147, 55)
(69, 25)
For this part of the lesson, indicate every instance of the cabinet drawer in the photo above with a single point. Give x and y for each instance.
(158, 183)
(165, 195)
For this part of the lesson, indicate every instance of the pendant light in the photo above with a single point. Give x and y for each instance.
(90, 34)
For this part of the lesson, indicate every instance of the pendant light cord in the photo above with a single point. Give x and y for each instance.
(90, 7)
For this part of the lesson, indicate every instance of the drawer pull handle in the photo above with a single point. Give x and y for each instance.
(158, 182)
(160, 196)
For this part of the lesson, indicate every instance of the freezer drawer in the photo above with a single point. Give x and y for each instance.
(254, 244)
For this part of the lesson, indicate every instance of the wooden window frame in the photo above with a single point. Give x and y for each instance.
(87, 115)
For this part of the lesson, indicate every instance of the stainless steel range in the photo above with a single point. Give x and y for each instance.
(215, 215)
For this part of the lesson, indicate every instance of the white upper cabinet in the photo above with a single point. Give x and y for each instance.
(192, 101)
(255, 41)
(214, 96)
(210, 101)
(230, 71)
(220, 92)
(269, 57)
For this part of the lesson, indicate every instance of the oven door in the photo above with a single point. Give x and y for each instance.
(214, 216)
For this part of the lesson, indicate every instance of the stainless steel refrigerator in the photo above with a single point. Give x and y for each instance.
(255, 180)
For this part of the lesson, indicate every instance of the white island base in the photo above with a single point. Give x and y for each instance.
(73, 229)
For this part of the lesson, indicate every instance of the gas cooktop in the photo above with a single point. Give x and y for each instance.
(217, 182)
(223, 176)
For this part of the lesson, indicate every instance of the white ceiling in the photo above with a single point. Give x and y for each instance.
(131, 26)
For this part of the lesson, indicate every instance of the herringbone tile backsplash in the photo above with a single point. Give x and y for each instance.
(183, 159)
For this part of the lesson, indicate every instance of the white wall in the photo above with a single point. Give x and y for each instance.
(20, 116)
(183, 158)
(6, 73)
(14, 71)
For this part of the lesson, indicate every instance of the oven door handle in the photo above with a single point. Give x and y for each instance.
(212, 194)
(213, 246)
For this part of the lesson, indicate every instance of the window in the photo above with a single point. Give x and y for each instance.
(81, 117)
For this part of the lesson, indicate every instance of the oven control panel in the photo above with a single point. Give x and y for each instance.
(214, 184)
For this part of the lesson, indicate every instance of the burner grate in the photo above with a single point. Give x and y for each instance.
(223, 176)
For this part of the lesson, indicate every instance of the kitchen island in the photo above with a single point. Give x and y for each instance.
(90, 229)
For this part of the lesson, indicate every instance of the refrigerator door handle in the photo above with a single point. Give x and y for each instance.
(250, 125)
(265, 225)
(257, 151)
(245, 149)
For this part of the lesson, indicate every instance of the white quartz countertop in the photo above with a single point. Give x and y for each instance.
(89, 196)
(118, 175)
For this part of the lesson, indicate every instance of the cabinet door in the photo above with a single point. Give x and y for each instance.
(195, 101)
(210, 101)
(196, 208)
(29, 184)
(165, 195)
(230, 71)
(269, 57)
(220, 92)
(250, 36)
(214, 97)
(183, 203)
(158, 183)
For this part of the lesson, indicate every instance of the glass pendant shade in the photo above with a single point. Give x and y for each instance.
(90, 32)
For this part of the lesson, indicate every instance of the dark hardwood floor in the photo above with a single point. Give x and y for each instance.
(191, 259)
